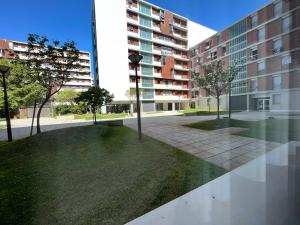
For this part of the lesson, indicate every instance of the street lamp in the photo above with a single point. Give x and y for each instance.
(4, 70)
(135, 60)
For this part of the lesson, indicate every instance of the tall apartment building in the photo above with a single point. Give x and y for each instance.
(81, 78)
(163, 38)
(267, 43)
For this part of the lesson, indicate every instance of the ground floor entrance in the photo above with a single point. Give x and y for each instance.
(263, 104)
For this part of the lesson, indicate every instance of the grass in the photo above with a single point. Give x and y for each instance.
(277, 130)
(100, 116)
(93, 175)
(2, 127)
(199, 112)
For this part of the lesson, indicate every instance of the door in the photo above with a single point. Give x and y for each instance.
(263, 104)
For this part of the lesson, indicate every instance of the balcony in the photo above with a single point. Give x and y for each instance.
(178, 25)
(179, 67)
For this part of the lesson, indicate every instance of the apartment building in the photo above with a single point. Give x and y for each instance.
(163, 38)
(267, 43)
(81, 78)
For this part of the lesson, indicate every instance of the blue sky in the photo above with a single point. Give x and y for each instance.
(71, 19)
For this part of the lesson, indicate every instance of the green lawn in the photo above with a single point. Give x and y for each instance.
(93, 175)
(100, 116)
(2, 127)
(277, 130)
(199, 112)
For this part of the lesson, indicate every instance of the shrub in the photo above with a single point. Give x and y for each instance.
(70, 109)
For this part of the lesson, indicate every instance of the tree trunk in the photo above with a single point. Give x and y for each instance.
(33, 116)
(38, 127)
(218, 106)
(95, 114)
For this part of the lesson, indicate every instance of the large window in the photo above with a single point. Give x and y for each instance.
(277, 8)
(261, 67)
(261, 34)
(147, 82)
(253, 85)
(166, 51)
(276, 99)
(146, 46)
(144, 21)
(148, 94)
(147, 58)
(145, 34)
(276, 82)
(145, 9)
(147, 70)
(254, 20)
(286, 24)
(277, 45)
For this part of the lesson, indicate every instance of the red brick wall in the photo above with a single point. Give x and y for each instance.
(167, 69)
(164, 26)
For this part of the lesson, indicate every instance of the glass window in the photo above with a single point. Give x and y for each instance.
(277, 45)
(261, 34)
(146, 46)
(145, 21)
(254, 20)
(147, 58)
(145, 9)
(145, 34)
(286, 59)
(166, 51)
(287, 24)
(276, 82)
(253, 85)
(147, 70)
(148, 94)
(276, 99)
(277, 8)
(147, 82)
(163, 60)
(261, 66)
(254, 54)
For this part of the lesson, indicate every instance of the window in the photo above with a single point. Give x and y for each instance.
(145, 21)
(277, 45)
(10, 45)
(223, 50)
(286, 60)
(147, 82)
(207, 45)
(147, 70)
(147, 58)
(276, 82)
(261, 34)
(254, 20)
(146, 46)
(131, 28)
(261, 67)
(131, 41)
(276, 99)
(277, 8)
(287, 24)
(145, 34)
(253, 85)
(166, 51)
(254, 54)
(171, 30)
(213, 55)
(145, 9)
(163, 60)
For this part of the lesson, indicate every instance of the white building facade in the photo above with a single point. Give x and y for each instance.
(163, 38)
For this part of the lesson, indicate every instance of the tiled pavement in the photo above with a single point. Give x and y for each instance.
(220, 147)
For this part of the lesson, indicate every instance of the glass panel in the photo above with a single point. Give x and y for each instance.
(147, 82)
(147, 58)
(145, 9)
(148, 94)
(146, 46)
(146, 34)
(147, 70)
(144, 21)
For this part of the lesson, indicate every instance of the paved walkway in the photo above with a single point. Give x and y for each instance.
(220, 147)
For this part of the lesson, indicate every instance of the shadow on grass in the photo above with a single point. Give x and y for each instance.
(277, 130)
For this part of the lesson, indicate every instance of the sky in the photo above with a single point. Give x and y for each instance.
(66, 20)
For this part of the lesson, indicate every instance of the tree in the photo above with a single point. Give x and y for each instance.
(52, 64)
(95, 97)
(67, 95)
(216, 79)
